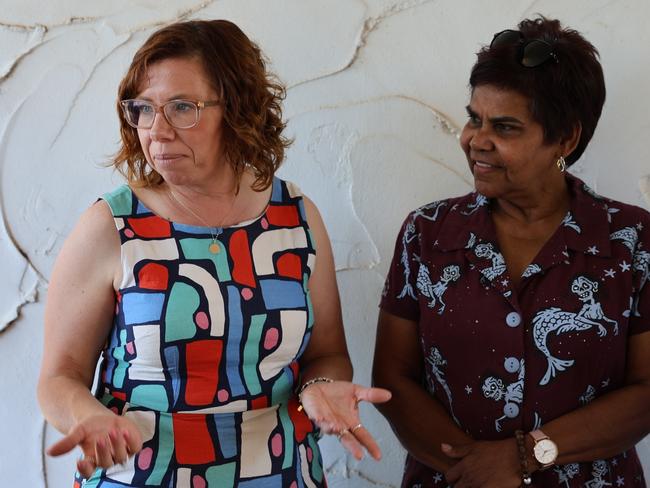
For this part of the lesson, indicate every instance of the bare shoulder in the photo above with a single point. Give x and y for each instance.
(93, 246)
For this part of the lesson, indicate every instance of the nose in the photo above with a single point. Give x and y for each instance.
(480, 139)
(161, 129)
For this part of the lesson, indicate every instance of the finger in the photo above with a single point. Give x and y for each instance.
(86, 467)
(351, 443)
(453, 474)
(133, 443)
(373, 395)
(366, 440)
(68, 443)
(118, 445)
(455, 452)
(103, 457)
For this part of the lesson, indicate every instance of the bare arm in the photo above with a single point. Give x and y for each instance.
(606, 427)
(332, 406)
(419, 421)
(327, 353)
(78, 317)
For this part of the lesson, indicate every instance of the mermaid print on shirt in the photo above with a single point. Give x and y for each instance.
(559, 321)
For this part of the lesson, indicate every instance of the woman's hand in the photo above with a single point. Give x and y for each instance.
(105, 439)
(333, 407)
(484, 464)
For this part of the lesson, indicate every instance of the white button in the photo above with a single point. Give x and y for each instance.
(511, 410)
(511, 365)
(513, 319)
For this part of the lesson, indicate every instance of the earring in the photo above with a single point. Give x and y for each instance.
(561, 164)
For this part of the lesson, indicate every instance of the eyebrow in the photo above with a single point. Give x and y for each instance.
(496, 120)
(180, 96)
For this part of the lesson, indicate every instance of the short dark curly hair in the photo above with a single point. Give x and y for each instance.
(563, 95)
(251, 96)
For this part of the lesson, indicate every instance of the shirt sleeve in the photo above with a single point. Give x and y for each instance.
(640, 311)
(399, 296)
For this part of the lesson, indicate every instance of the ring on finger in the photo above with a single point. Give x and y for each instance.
(355, 428)
(342, 433)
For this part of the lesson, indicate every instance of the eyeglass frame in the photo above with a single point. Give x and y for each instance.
(199, 104)
(523, 44)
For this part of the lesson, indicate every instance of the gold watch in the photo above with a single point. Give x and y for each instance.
(545, 450)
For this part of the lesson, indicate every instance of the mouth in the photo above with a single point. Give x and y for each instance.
(484, 165)
(167, 157)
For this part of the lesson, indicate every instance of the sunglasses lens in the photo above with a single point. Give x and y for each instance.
(505, 37)
(535, 53)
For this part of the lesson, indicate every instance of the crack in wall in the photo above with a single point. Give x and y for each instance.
(370, 24)
(446, 123)
(39, 31)
(83, 87)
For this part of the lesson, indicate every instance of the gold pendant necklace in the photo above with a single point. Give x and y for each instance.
(214, 247)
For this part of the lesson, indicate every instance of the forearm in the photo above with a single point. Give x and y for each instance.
(604, 428)
(334, 366)
(66, 401)
(420, 422)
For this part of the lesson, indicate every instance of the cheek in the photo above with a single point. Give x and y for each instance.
(143, 137)
(465, 137)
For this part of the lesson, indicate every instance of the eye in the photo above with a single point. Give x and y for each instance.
(504, 128)
(181, 106)
(143, 108)
(473, 120)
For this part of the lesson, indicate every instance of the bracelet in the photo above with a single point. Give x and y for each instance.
(523, 458)
(319, 379)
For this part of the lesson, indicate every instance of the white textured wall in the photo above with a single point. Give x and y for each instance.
(376, 98)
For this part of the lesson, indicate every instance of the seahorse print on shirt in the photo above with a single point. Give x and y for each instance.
(437, 362)
(407, 237)
(559, 321)
(435, 292)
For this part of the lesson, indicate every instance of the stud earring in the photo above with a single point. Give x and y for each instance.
(561, 164)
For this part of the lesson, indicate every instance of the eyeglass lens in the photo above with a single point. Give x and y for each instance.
(181, 114)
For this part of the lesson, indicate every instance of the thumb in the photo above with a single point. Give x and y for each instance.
(67, 444)
(374, 395)
(455, 452)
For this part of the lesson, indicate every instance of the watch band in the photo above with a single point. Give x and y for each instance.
(538, 435)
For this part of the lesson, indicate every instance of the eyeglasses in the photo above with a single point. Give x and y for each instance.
(181, 114)
(531, 53)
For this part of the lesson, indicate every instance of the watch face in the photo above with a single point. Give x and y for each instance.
(545, 451)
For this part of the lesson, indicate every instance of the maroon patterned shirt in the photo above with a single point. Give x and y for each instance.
(501, 358)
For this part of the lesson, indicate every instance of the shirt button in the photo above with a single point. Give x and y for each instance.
(511, 410)
(513, 319)
(511, 365)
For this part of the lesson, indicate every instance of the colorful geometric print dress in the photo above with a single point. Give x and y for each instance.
(203, 353)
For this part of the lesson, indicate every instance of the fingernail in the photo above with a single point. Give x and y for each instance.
(445, 447)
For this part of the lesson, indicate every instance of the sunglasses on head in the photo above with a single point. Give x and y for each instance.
(531, 53)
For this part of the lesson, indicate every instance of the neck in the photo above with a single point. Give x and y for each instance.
(533, 205)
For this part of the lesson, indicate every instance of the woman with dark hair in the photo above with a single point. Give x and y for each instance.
(207, 284)
(514, 329)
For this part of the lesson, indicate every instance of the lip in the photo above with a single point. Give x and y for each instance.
(163, 157)
(484, 167)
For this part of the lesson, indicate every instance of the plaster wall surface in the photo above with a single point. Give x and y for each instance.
(376, 97)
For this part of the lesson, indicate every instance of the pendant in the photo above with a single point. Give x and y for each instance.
(214, 248)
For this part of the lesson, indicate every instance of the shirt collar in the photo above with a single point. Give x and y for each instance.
(586, 227)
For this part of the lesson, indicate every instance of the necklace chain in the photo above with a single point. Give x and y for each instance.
(213, 229)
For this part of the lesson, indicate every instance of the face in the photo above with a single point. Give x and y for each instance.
(505, 147)
(182, 156)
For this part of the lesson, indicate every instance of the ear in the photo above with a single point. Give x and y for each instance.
(569, 143)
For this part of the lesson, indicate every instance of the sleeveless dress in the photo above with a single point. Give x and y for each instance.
(203, 352)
